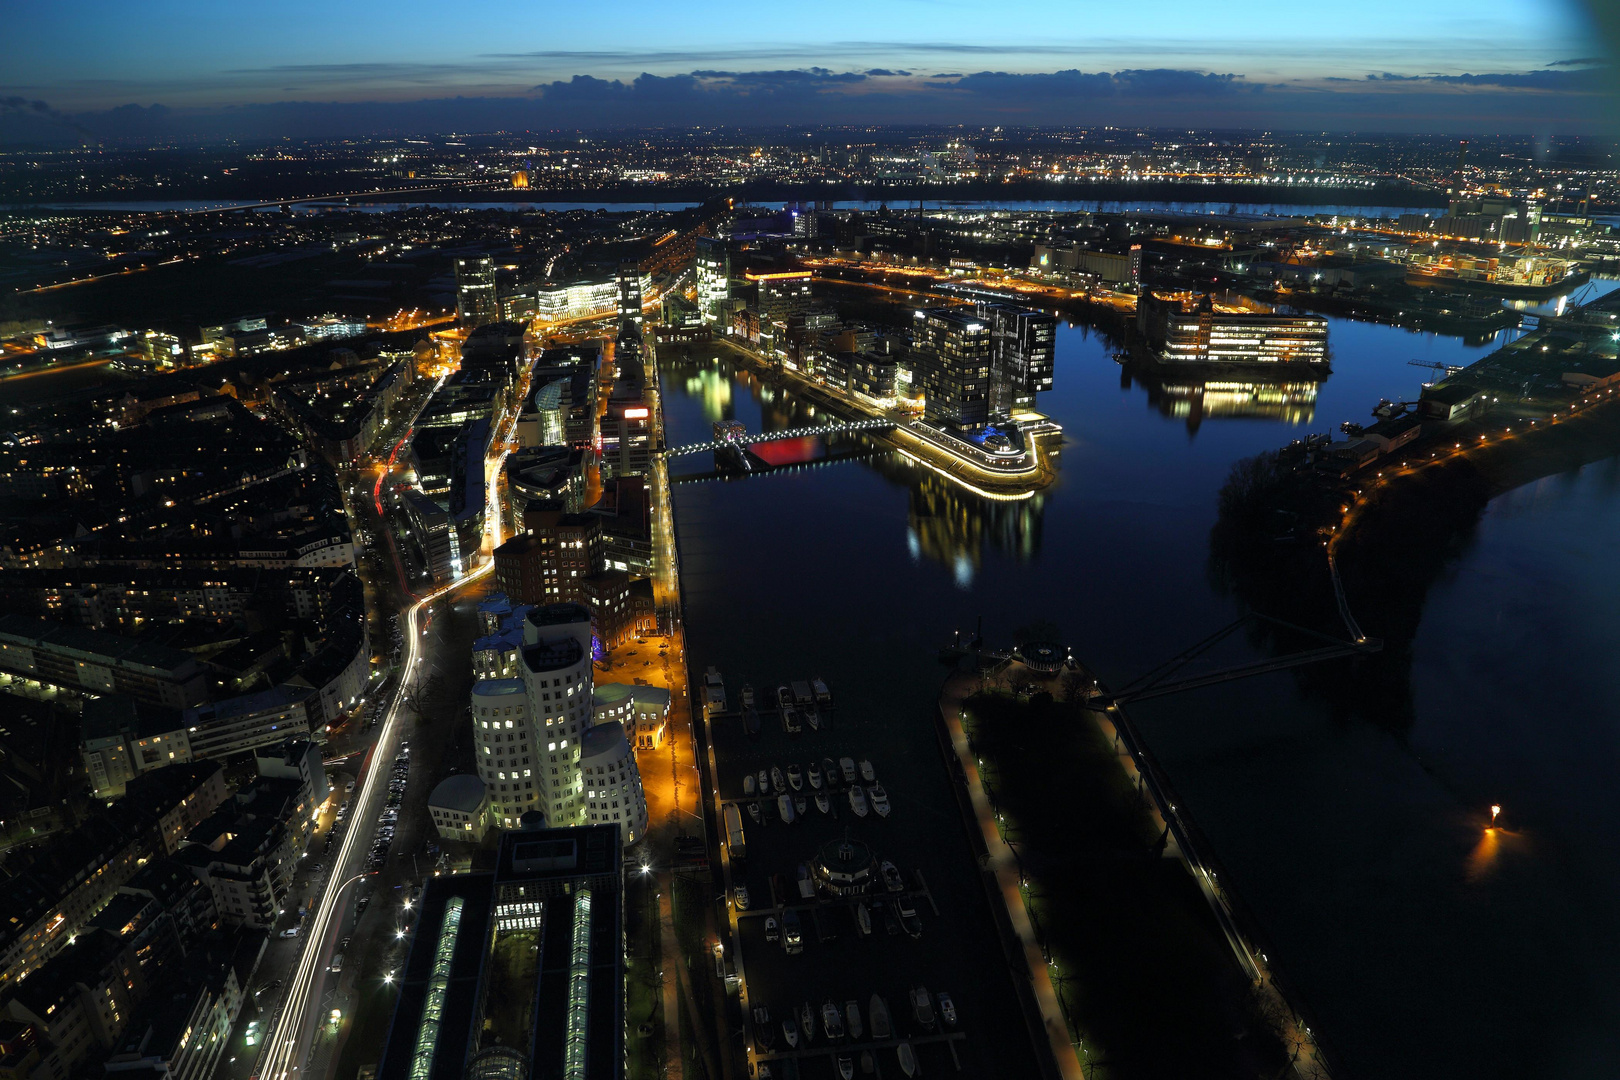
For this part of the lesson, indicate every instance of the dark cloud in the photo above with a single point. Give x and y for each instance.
(1568, 81)
(947, 75)
(32, 111)
(1057, 85)
(1553, 98)
(1585, 61)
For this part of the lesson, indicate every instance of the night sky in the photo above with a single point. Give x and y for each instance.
(1521, 66)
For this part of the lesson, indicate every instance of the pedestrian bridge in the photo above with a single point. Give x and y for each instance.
(746, 440)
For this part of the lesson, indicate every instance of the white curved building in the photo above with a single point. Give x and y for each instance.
(527, 730)
(504, 744)
(613, 795)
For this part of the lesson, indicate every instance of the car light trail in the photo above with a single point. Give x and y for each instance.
(287, 1046)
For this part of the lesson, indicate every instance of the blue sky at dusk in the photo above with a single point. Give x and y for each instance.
(1508, 65)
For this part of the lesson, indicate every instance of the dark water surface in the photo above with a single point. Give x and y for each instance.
(1422, 946)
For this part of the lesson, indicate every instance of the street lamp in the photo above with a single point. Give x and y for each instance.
(1495, 811)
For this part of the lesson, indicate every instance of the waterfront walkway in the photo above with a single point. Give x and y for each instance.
(1004, 867)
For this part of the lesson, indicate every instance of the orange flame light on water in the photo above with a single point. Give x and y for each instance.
(1483, 857)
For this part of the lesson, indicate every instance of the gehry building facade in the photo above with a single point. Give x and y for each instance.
(530, 730)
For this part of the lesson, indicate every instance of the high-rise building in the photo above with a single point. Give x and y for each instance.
(476, 302)
(529, 734)
(951, 354)
(1023, 345)
(713, 279)
(630, 293)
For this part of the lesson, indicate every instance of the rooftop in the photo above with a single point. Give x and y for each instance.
(462, 792)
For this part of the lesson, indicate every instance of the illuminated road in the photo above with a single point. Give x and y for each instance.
(288, 1047)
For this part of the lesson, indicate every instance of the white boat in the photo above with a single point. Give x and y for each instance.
(823, 803)
(812, 717)
(880, 800)
(823, 695)
(908, 1060)
(795, 777)
(878, 1013)
(852, 1018)
(866, 771)
(891, 877)
(790, 1032)
(800, 804)
(814, 775)
(784, 807)
(784, 696)
(750, 785)
(832, 1021)
(857, 801)
(847, 767)
(764, 782)
(863, 919)
(790, 721)
(807, 1021)
(747, 696)
(714, 691)
(846, 1067)
(755, 813)
(776, 778)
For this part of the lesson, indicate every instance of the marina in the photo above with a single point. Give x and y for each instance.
(843, 902)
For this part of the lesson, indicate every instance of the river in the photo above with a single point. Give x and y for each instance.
(1421, 946)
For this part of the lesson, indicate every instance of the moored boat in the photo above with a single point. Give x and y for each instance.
(922, 1007)
(846, 766)
(807, 1021)
(867, 772)
(764, 781)
(880, 800)
(832, 1021)
(784, 807)
(790, 1032)
(823, 803)
(852, 1018)
(908, 1060)
(812, 717)
(857, 801)
(878, 1013)
(750, 785)
(776, 778)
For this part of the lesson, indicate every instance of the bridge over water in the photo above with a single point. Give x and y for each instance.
(745, 440)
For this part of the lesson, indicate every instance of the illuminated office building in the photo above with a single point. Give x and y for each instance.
(476, 304)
